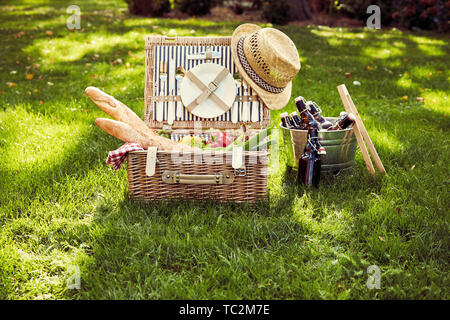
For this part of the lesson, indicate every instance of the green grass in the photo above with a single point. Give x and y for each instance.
(62, 206)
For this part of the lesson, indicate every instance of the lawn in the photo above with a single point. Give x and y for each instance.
(63, 208)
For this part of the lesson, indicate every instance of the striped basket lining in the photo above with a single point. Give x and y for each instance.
(180, 45)
(179, 54)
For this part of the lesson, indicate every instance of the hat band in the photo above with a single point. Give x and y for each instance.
(251, 73)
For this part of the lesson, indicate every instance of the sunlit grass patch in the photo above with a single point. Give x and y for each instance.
(62, 206)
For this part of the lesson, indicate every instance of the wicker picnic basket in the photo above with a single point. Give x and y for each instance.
(223, 176)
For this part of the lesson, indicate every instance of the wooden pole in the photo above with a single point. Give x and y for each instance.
(359, 138)
(359, 125)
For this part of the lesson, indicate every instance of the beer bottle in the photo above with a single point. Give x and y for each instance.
(342, 114)
(302, 109)
(286, 121)
(315, 111)
(343, 123)
(310, 163)
(309, 170)
(296, 120)
(314, 136)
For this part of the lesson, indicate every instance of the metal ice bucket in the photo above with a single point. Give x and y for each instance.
(340, 147)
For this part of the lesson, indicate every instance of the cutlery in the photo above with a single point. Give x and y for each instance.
(163, 79)
(234, 112)
(179, 74)
(245, 104)
(255, 111)
(203, 55)
(171, 104)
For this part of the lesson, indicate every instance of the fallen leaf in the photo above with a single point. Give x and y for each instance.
(41, 101)
(420, 89)
(19, 34)
(404, 98)
(17, 62)
(86, 110)
(381, 239)
(399, 210)
(30, 76)
(35, 90)
(368, 68)
(50, 83)
(117, 61)
(49, 33)
(308, 66)
(420, 99)
(412, 167)
(405, 59)
(348, 74)
(2, 92)
(11, 84)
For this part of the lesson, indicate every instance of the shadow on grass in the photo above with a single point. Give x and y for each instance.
(190, 241)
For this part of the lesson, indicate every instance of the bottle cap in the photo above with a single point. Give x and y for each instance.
(352, 116)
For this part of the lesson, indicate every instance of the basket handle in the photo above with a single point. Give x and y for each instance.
(174, 177)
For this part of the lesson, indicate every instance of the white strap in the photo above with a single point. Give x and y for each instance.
(237, 160)
(151, 161)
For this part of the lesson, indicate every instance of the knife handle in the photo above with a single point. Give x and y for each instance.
(171, 111)
(255, 112)
(160, 105)
(234, 112)
(245, 104)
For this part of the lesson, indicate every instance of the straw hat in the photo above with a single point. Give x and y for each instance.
(267, 60)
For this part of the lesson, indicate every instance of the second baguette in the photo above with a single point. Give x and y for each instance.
(118, 110)
(126, 133)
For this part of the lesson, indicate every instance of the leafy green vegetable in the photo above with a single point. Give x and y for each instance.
(258, 138)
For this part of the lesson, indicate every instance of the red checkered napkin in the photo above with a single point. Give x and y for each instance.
(117, 157)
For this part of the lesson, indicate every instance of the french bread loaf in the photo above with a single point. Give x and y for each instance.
(118, 110)
(126, 133)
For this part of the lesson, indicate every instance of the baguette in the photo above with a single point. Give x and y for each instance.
(126, 133)
(122, 131)
(118, 110)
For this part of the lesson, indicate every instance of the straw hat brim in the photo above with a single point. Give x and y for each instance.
(273, 101)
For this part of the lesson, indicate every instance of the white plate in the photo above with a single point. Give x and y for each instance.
(206, 73)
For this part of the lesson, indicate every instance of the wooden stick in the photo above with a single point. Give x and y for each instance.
(356, 130)
(360, 124)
